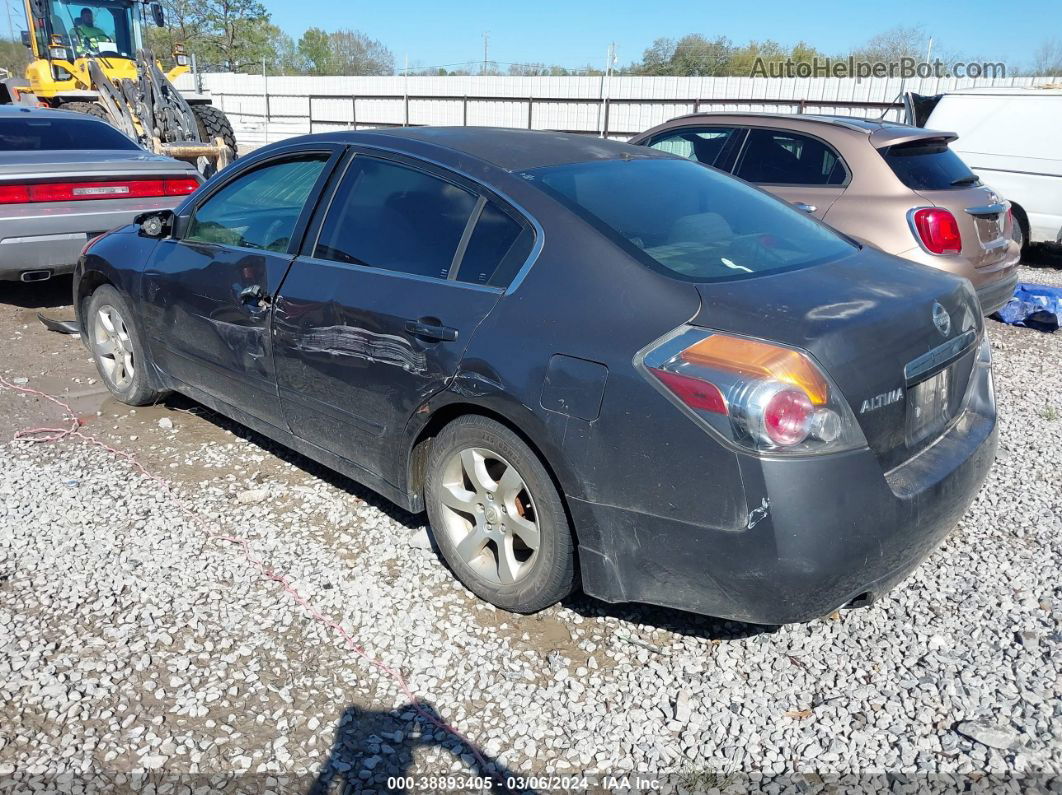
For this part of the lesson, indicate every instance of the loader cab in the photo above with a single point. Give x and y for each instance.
(104, 28)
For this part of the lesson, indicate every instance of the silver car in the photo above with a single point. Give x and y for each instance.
(66, 177)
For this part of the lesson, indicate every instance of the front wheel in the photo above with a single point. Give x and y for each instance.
(497, 516)
(213, 123)
(117, 349)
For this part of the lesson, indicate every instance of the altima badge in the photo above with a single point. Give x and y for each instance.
(941, 319)
(881, 401)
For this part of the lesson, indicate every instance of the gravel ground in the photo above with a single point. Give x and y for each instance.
(134, 641)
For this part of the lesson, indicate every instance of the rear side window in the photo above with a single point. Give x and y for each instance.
(43, 134)
(259, 209)
(691, 221)
(386, 215)
(704, 145)
(929, 165)
(773, 157)
(499, 245)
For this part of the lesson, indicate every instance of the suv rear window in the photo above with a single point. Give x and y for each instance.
(43, 134)
(929, 165)
(691, 221)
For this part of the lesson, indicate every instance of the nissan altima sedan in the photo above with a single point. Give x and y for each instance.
(591, 363)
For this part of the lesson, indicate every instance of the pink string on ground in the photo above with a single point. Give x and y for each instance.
(73, 431)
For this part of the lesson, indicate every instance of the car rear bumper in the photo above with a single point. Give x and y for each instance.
(994, 295)
(50, 236)
(992, 282)
(823, 532)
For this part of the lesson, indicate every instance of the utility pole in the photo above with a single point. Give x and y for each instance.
(405, 93)
(486, 39)
(602, 110)
(10, 24)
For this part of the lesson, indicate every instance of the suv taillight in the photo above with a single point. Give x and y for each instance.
(757, 395)
(938, 230)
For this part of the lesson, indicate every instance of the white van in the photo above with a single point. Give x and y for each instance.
(1012, 138)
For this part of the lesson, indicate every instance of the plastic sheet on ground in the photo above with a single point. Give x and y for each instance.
(1034, 306)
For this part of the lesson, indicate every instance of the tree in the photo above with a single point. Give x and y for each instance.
(344, 52)
(1047, 60)
(316, 50)
(692, 55)
(893, 44)
(357, 54)
(14, 57)
(184, 26)
(238, 34)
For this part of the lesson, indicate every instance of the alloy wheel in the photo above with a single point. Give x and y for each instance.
(489, 515)
(113, 347)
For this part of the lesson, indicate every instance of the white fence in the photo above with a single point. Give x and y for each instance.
(266, 109)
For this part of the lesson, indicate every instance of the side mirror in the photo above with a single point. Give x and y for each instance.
(158, 15)
(157, 223)
(26, 42)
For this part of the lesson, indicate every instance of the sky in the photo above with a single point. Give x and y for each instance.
(572, 34)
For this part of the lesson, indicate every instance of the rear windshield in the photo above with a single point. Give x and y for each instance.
(690, 220)
(929, 165)
(40, 134)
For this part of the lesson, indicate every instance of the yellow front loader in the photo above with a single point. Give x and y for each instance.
(91, 56)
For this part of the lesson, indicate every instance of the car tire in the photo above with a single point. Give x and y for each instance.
(497, 516)
(88, 108)
(213, 123)
(1020, 233)
(118, 349)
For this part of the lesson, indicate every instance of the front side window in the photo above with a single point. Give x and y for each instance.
(387, 215)
(257, 210)
(37, 133)
(705, 145)
(691, 221)
(773, 157)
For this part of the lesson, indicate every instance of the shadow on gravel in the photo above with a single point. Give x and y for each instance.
(55, 292)
(1043, 256)
(666, 618)
(289, 456)
(375, 751)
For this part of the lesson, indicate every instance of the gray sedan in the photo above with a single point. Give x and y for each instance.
(65, 178)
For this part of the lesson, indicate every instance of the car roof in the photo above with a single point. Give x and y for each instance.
(880, 131)
(8, 111)
(506, 148)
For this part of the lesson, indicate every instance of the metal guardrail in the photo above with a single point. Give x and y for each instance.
(696, 105)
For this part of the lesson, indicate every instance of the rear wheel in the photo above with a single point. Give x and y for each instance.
(117, 349)
(497, 516)
(1020, 233)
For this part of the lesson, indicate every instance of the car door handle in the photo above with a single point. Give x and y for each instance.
(808, 208)
(431, 331)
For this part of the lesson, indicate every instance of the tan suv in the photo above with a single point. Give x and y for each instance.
(896, 187)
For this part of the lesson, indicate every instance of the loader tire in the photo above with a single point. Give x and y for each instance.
(213, 123)
(91, 108)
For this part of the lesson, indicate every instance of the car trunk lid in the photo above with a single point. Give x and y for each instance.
(869, 320)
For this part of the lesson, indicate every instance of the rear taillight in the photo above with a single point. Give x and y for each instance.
(757, 395)
(937, 229)
(26, 193)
